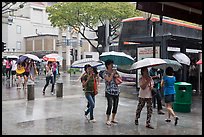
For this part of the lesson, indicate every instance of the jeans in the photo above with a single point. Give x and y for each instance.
(91, 101)
(54, 74)
(48, 79)
(157, 98)
(112, 101)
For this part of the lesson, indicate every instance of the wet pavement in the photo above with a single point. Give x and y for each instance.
(49, 115)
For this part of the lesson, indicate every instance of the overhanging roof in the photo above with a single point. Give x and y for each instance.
(187, 11)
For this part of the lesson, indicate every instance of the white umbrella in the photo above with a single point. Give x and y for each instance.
(182, 58)
(81, 63)
(119, 58)
(147, 62)
(12, 57)
(31, 56)
(169, 63)
(53, 57)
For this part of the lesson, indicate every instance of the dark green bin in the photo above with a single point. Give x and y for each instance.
(183, 97)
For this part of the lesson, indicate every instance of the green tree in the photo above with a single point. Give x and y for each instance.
(88, 15)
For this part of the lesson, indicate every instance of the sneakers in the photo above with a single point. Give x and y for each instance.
(52, 93)
(43, 92)
(92, 120)
(161, 112)
(149, 126)
(176, 120)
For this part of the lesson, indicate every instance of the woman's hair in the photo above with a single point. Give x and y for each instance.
(142, 70)
(169, 71)
(95, 70)
(86, 66)
(108, 62)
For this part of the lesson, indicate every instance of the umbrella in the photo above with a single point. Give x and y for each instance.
(52, 57)
(81, 63)
(12, 57)
(30, 56)
(199, 62)
(147, 62)
(119, 58)
(169, 63)
(182, 58)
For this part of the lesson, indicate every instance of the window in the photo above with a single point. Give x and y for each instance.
(18, 45)
(18, 29)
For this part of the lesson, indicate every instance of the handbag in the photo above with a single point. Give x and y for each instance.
(118, 80)
(154, 92)
(95, 87)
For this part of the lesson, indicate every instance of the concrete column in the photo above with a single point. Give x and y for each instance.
(33, 44)
(54, 44)
(68, 37)
(78, 46)
(30, 91)
(43, 43)
(107, 36)
(60, 44)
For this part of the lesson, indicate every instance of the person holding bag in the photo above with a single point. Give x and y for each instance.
(88, 85)
(111, 92)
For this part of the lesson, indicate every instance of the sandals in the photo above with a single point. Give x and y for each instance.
(168, 120)
(108, 123)
(113, 121)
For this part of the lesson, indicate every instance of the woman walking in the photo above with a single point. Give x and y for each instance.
(111, 92)
(88, 85)
(146, 85)
(49, 77)
(169, 91)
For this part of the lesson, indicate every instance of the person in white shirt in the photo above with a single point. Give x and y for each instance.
(145, 96)
(13, 69)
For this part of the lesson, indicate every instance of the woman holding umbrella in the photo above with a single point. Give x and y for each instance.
(146, 85)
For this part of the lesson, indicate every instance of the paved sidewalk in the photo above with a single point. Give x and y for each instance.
(48, 115)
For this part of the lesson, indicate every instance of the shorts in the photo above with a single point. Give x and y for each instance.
(21, 75)
(169, 98)
(13, 72)
(26, 73)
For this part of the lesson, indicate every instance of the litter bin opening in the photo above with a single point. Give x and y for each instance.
(182, 88)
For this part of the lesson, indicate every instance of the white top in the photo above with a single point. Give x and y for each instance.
(146, 93)
(14, 65)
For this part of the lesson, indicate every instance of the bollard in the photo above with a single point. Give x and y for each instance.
(30, 91)
(59, 89)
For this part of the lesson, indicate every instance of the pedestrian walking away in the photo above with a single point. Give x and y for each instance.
(146, 84)
(111, 91)
(157, 97)
(49, 78)
(169, 92)
(88, 85)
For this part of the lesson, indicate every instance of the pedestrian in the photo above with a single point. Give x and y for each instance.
(54, 69)
(33, 70)
(19, 73)
(88, 85)
(193, 71)
(49, 78)
(169, 92)
(145, 96)
(26, 73)
(8, 68)
(112, 92)
(157, 97)
(4, 66)
(13, 69)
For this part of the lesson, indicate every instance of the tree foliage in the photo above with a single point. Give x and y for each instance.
(88, 15)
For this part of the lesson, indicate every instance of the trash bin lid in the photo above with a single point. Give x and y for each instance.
(182, 83)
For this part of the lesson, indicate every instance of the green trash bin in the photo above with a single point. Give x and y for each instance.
(183, 97)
